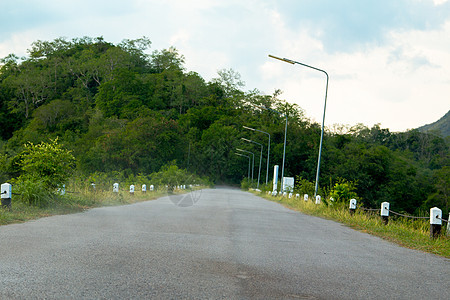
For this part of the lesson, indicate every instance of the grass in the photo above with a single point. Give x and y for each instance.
(413, 234)
(72, 203)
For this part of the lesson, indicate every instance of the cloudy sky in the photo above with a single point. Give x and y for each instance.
(388, 60)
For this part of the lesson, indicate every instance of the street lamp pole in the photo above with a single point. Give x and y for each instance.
(268, 149)
(260, 157)
(253, 167)
(248, 176)
(284, 146)
(324, 110)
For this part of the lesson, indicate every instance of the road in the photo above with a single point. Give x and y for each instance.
(227, 245)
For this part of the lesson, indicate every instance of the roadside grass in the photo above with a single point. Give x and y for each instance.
(78, 201)
(409, 233)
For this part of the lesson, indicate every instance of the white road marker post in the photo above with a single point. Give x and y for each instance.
(6, 192)
(384, 212)
(435, 222)
(448, 225)
(352, 206)
(318, 199)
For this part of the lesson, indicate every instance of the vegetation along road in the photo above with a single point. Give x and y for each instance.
(215, 244)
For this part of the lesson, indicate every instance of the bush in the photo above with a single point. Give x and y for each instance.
(245, 184)
(171, 176)
(266, 187)
(303, 186)
(32, 191)
(48, 162)
(343, 191)
(3, 164)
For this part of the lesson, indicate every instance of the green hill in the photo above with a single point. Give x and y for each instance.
(442, 125)
(125, 114)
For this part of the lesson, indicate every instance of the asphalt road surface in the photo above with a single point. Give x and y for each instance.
(220, 244)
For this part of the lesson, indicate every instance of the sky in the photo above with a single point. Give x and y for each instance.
(388, 60)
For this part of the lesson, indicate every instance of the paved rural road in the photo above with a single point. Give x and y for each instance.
(228, 245)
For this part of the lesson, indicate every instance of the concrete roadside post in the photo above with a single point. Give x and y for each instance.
(62, 190)
(435, 222)
(132, 190)
(384, 212)
(275, 178)
(115, 187)
(352, 206)
(144, 188)
(6, 192)
(305, 197)
(448, 225)
(152, 187)
(318, 199)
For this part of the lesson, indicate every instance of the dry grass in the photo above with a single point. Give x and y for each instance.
(413, 234)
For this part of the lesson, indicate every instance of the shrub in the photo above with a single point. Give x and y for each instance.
(245, 184)
(343, 191)
(48, 162)
(32, 191)
(171, 176)
(303, 186)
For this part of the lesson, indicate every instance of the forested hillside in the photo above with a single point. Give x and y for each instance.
(441, 126)
(121, 110)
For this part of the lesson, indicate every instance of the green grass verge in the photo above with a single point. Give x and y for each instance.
(413, 234)
(72, 203)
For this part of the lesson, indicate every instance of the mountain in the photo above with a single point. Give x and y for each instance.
(442, 125)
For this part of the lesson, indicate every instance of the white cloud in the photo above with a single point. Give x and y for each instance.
(439, 2)
(370, 85)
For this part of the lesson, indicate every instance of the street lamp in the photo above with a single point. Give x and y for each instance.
(284, 147)
(268, 149)
(260, 157)
(253, 167)
(324, 110)
(248, 176)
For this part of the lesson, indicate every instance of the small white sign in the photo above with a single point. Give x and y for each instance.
(288, 184)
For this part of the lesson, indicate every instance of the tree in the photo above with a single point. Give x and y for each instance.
(230, 81)
(120, 94)
(216, 147)
(53, 115)
(171, 176)
(48, 162)
(167, 59)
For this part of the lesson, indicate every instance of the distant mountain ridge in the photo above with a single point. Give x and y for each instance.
(442, 125)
